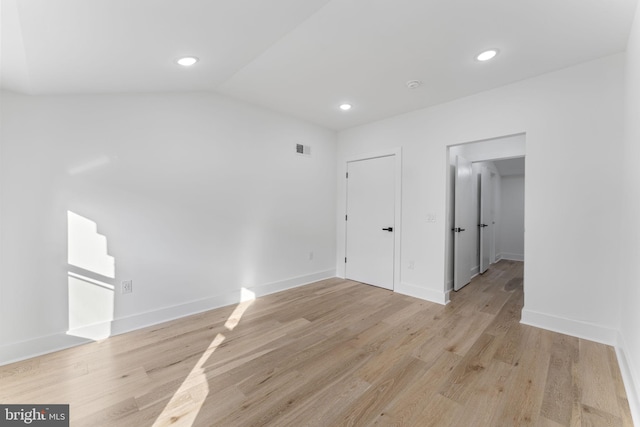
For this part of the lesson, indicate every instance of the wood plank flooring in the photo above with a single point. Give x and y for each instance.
(337, 353)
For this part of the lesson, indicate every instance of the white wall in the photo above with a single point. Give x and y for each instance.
(629, 240)
(511, 230)
(573, 122)
(197, 195)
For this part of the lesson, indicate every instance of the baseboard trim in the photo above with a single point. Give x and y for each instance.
(576, 328)
(16, 352)
(511, 257)
(475, 271)
(439, 297)
(630, 379)
(142, 320)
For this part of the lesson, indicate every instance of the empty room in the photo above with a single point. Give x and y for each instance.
(319, 213)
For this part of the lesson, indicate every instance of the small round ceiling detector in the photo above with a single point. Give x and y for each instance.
(414, 84)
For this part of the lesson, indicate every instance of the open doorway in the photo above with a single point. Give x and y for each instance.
(485, 192)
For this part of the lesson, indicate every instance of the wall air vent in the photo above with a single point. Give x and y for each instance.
(303, 150)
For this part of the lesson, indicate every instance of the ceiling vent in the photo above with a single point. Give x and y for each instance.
(303, 150)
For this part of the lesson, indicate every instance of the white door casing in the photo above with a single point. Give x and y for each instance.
(371, 223)
(495, 188)
(464, 224)
(486, 218)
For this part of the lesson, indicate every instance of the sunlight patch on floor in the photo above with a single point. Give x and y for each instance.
(246, 297)
(197, 377)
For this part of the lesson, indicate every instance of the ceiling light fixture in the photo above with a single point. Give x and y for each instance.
(487, 55)
(187, 61)
(413, 84)
(345, 107)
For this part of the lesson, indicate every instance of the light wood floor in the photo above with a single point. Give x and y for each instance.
(337, 353)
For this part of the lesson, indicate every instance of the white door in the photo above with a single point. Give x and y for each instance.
(370, 223)
(463, 224)
(494, 208)
(485, 225)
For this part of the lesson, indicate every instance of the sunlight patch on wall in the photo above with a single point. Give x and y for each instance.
(86, 248)
(91, 297)
(89, 165)
(90, 307)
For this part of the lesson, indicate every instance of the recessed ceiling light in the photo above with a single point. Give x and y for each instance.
(487, 55)
(345, 107)
(187, 61)
(414, 84)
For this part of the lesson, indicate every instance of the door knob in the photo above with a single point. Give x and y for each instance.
(390, 229)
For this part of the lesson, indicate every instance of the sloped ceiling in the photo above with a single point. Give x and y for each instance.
(302, 57)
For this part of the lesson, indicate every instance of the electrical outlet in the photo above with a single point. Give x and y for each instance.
(311, 256)
(127, 286)
(412, 265)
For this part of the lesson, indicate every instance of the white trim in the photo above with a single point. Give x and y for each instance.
(38, 346)
(630, 379)
(375, 154)
(397, 153)
(511, 257)
(475, 271)
(137, 321)
(24, 350)
(431, 295)
(576, 328)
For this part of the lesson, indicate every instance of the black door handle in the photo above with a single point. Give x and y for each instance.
(483, 225)
(390, 229)
(457, 230)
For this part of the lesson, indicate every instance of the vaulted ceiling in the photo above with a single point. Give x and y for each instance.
(302, 57)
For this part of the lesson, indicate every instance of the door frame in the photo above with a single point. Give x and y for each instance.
(397, 154)
(486, 207)
(517, 149)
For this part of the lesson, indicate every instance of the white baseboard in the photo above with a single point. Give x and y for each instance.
(597, 333)
(576, 328)
(38, 346)
(510, 257)
(142, 320)
(439, 297)
(630, 378)
(475, 271)
(15, 352)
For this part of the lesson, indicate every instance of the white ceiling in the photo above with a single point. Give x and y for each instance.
(508, 167)
(302, 57)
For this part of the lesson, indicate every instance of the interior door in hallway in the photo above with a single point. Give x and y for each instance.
(370, 245)
(464, 224)
(485, 224)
